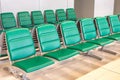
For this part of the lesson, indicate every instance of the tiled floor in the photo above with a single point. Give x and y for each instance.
(111, 71)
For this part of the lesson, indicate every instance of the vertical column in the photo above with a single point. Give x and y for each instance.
(84, 8)
(117, 7)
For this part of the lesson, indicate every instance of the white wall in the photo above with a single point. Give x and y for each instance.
(19, 5)
(29, 5)
(70, 3)
(103, 7)
(53, 4)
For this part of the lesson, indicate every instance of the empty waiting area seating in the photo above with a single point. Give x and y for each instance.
(50, 43)
(24, 20)
(22, 51)
(21, 47)
(37, 17)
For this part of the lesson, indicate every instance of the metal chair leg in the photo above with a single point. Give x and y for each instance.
(104, 48)
(24, 77)
(94, 56)
(91, 54)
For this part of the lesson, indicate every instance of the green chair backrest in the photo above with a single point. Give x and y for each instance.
(71, 14)
(20, 44)
(61, 15)
(88, 28)
(37, 17)
(48, 37)
(8, 20)
(103, 26)
(50, 16)
(24, 19)
(70, 32)
(114, 23)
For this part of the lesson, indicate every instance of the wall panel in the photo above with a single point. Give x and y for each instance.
(117, 7)
(29, 5)
(53, 4)
(19, 5)
(70, 3)
(103, 7)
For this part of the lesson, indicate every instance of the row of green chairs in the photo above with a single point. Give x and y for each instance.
(22, 52)
(60, 16)
(53, 18)
(9, 22)
(36, 18)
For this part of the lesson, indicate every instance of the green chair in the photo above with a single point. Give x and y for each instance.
(60, 15)
(50, 44)
(37, 17)
(8, 20)
(89, 33)
(71, 14)
(50, 17)
(104, 28)
(115, 26)
(22, 53)
(24, 20)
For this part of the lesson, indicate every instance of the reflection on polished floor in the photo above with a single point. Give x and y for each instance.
(77, 68)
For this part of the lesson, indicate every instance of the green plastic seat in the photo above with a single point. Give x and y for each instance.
(90, 35)
(33, 64)
(104, 28)
(8, 21)
(37, 17)
(24, 20)
(115, 26)
(62, 54)
(50, 43)
(71, 14)
(102, 41)
(84, 47)
(88, 29)
(50, 17)
(22, 51)
(114, 23)
(115, 36)
(61, 15)
(72, 37)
